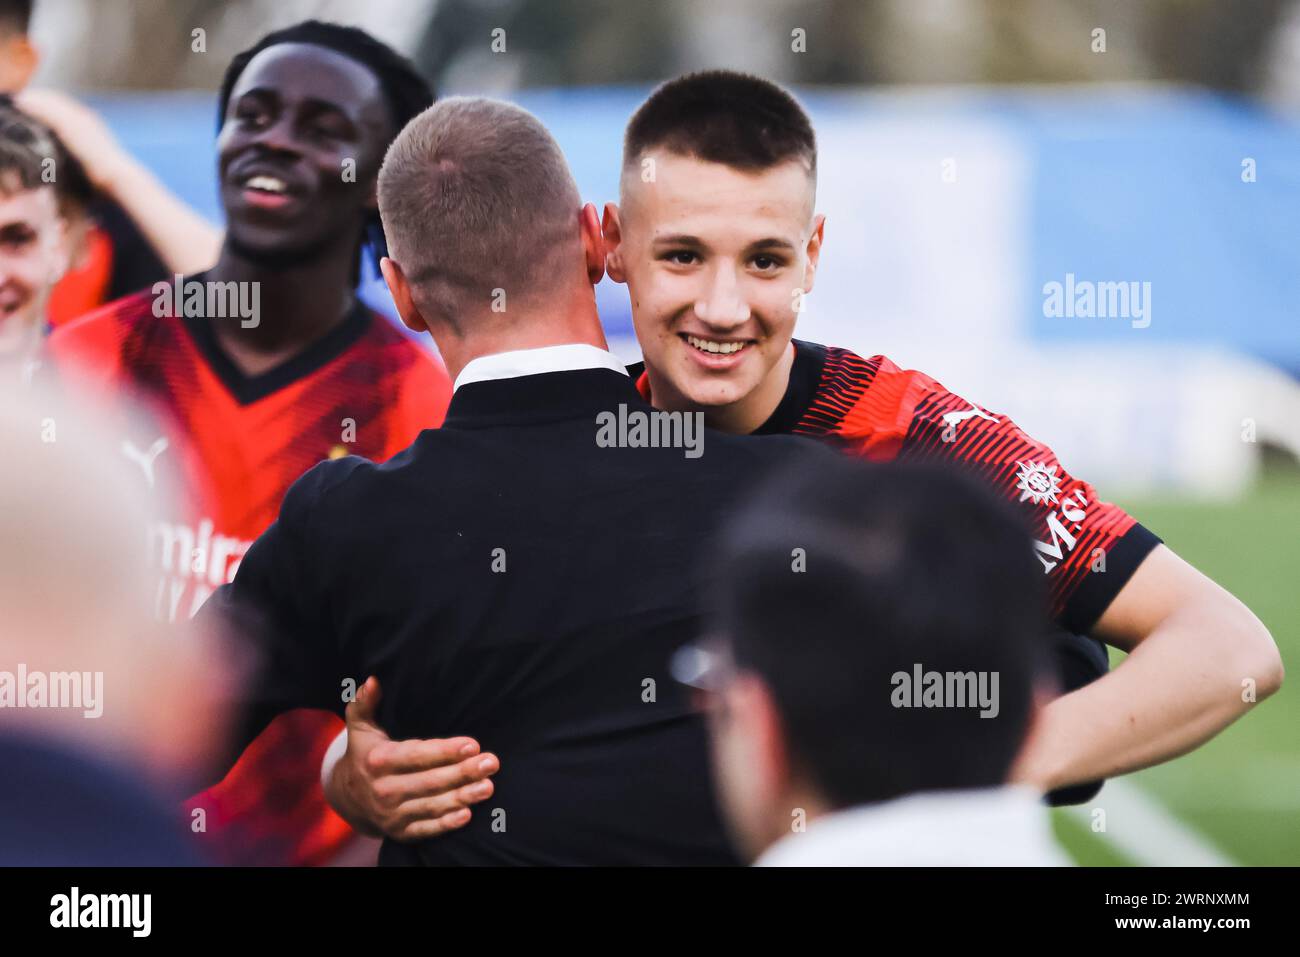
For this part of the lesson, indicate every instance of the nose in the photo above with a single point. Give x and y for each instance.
(722, 304)
(278, 137)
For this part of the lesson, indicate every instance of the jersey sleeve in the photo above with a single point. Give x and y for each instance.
(88, 351)
(1088, 548)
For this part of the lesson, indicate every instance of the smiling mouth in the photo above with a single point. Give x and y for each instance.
(267, 184)
(10, 303)
(267, 191)
(716, 349)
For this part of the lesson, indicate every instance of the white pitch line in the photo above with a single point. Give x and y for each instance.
(1146, 832)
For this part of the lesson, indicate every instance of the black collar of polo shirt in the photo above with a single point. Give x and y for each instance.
(541, 397)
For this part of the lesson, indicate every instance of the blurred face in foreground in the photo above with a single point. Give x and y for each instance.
(717, 261)
(17, 58)
(32, 259)
(757, 796)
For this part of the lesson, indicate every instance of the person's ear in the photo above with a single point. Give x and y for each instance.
(613, 226)
(593, 243)
(753, 707)
(400, 289)
(814, 251)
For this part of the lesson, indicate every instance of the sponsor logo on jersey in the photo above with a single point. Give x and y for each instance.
(1038, 482)
(194, 561)
(1073, 510)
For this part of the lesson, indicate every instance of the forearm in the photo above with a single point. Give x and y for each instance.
(1190, 678)
(185, 241)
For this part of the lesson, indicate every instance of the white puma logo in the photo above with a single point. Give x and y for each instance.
(954, 419)
(145, 459)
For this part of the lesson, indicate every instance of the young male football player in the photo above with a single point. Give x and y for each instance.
(125, 228)
(267, 364)
(718, 241)
(33, 252)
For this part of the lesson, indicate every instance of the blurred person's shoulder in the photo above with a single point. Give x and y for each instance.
(411, 374)
(105, 342)
(56, 810)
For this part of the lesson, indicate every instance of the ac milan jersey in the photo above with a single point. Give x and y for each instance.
(238, 442)
(1087, 548)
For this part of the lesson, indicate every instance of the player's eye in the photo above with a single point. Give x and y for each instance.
(17, 238)
(251, 115)
(330, 128)
(764, 263)
(681, 257)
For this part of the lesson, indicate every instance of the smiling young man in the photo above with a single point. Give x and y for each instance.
(719, 246)
(256, 397)
(33, 254)
(718, 240)
(125, 229)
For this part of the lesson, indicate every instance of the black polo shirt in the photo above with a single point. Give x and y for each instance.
(510, 578)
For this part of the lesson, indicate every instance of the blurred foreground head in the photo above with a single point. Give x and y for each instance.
(83, 664)
(17, 55)
(489, 241)
(839, 592)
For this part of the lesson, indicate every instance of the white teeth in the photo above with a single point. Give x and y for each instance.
(708, 345)
(269, 184)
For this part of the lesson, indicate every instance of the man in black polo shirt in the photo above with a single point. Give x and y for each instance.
(523, 574)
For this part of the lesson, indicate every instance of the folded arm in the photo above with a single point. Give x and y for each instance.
(1198, 660)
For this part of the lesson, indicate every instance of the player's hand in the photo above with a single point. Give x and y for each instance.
(405, 790)
(81, 130)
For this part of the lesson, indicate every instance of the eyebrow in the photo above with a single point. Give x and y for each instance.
(678, 239)
(692, 242)
(761, 245)
(772, 243)
(311, 102)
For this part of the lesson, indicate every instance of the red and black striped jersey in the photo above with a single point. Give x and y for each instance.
(1088, 548)
(237, 443)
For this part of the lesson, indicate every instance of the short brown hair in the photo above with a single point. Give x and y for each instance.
(726, 117)
(28, 152)
(475, 195)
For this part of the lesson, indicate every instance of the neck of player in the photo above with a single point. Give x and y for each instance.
(745, 414)
(299, 305)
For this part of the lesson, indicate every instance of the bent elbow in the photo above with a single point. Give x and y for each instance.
(1273, 671)
(1261, 662)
